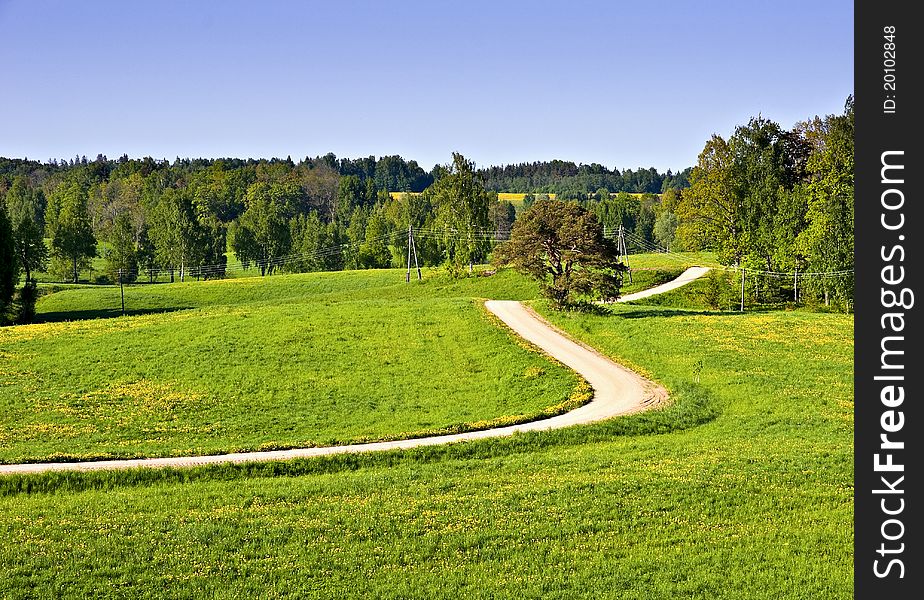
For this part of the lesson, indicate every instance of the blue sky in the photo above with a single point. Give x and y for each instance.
(625, 84)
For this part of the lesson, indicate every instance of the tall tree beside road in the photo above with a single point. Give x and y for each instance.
(562, 246)
(710, 212)
(739, 191)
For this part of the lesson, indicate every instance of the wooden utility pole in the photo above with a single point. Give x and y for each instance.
(742, 289)
(410, 236)
(122, 292)
(623, 250)
(411, 248)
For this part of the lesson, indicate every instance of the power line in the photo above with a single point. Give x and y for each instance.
(278, 261)
(758, 272)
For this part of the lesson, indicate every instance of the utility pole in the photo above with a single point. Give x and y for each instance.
(410, 236)
(122, 292)
(411, 247)
(795, 286)
(742, 289)
(623, 250)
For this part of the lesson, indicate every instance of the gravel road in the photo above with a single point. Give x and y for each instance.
(617, 391)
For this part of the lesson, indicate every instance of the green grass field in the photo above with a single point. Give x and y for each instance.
(297, 360)
(673, 260)
(742, 488)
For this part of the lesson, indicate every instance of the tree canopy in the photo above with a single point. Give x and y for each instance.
(462, 209)
(768, 199)
(9, 266)
(777, 202)
(25, 206)
(68, 225)
(562, 246)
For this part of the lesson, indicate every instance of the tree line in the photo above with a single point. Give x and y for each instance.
(149, 217)
(152, 219)
(772, 203)
(571, 181)
(768, 200)
(775, 202)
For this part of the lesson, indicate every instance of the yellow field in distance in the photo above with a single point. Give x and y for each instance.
(515, 198)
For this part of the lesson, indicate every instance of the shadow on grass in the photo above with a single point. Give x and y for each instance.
(674, 312)
(102, 313)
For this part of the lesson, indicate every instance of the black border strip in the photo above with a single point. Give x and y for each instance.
(887, 510)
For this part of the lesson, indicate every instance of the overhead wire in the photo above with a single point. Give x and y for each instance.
(638, 240)
(478, 234)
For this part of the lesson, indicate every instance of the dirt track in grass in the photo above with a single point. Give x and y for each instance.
(688, 276)
(617, 391)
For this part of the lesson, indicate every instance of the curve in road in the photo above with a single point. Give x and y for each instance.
(617, 391)
(688, 276)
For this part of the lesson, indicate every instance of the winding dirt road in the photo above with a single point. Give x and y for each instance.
(617, 391)
(688, 276)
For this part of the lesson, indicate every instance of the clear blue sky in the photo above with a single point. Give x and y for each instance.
(625, 84)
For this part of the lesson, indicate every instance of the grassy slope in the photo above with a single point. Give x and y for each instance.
(755, 503)
(643, 280)
(674, 260)
(291, 361)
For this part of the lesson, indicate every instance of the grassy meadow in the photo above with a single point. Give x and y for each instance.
(741, 488)
(297, 360)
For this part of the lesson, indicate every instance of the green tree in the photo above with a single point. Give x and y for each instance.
(644, 224)
(122, 255)
(212, 247)
(335, 238)
(68, 225)
(827, 241)
(147, 254)
(740, 200)
(461, 203)
(562, 246)
(415, 210)
(173, 231)
(25, 212)
(374, 251)
(665, 228)
(709, 212)
(262, 234)
(768, 163)
(219, 191)
(9, 265)
(502, 215)
(356, 234)
(670, 198)
(353, 193)
(622, 209)
(309, 242)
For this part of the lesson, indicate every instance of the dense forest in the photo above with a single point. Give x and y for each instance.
(768, 200)
(150, 217)
(571, 181)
